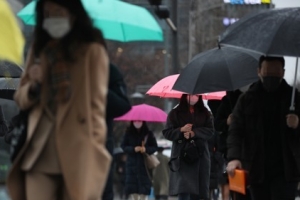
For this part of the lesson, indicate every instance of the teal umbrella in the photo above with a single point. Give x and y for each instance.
(117, 20)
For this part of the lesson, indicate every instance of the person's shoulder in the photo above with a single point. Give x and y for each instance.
(95, 47)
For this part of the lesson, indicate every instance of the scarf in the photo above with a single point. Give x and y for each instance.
(58, 74)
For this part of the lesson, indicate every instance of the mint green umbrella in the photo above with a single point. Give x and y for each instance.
(117, 20)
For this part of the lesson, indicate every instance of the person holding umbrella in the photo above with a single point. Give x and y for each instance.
(264, 135)
(189, 125)
(64, 88)
(138, 139)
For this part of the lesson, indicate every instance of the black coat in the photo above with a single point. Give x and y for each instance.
(246, 133)
(117, 105)
(220, 121)
(216, 161)
(191, 178)
(137, 180)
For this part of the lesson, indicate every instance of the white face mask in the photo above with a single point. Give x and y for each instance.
(192, 99)
(137, 124)
(57, 27)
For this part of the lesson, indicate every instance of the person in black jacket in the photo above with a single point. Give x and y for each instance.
(222, 122)
(189, 122)
(138, 139)
(117, 105)
(264, 136)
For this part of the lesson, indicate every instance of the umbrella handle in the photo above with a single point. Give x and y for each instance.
(292, 107)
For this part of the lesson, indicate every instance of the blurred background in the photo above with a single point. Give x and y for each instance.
(198, 22)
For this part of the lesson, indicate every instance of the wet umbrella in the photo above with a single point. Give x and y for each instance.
(272, 32)
(163, 88)
(8, 87)
(144, 112)
(10, 70)
(117, 20)
(219, 69)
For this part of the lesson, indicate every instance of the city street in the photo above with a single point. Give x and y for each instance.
(3, 195)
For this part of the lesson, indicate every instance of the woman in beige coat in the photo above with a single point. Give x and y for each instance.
(64, 88)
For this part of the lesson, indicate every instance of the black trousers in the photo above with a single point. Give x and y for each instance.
(274, 189)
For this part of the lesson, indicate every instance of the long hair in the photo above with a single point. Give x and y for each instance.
(82, 30)
(199, 106)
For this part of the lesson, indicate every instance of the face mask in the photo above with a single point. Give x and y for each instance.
(137, 125)
(271, 83)
(57, 27)
(192, 99)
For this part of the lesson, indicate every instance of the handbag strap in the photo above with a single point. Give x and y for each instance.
(147, 170)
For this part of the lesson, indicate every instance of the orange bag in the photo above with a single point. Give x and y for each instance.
(238, 182)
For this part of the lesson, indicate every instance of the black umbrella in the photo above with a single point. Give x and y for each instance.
(11, 70)
(273, 32)
(218, 69)
(8, 87)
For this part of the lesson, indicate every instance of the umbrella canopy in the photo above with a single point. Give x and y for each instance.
(219, 69)
(117, 20)
(11, 38)
(144, 112)
(10, 70)
(163, 88)
(8, 87)
(272, 32)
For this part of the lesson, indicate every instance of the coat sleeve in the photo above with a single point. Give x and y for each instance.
(98, 73)
(21, 96)
(117, 101)
(236, 130)
(205, 132)
(127, 148)
(172, 131)
(151, 144)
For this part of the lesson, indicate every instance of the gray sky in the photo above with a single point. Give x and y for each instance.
(286, 3)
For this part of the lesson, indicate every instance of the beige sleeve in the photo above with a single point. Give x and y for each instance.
(98, 74)
(21, 95)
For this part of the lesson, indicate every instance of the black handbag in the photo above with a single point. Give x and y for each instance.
(20, 124)
(188, 153)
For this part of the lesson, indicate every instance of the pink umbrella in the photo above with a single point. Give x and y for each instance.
(163, 88)
(144, 112)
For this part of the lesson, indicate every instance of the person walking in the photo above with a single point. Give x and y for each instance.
(138, 139)
(189, 124)
(264, 135)
(161, 176)
(64, 89)
(117, 104)
(222, 122)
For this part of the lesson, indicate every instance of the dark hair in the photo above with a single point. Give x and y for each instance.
(82, 30)
(270, 58)
(199, 106)
(133, 130)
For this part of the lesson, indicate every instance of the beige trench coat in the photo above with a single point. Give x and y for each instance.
(80, 126)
